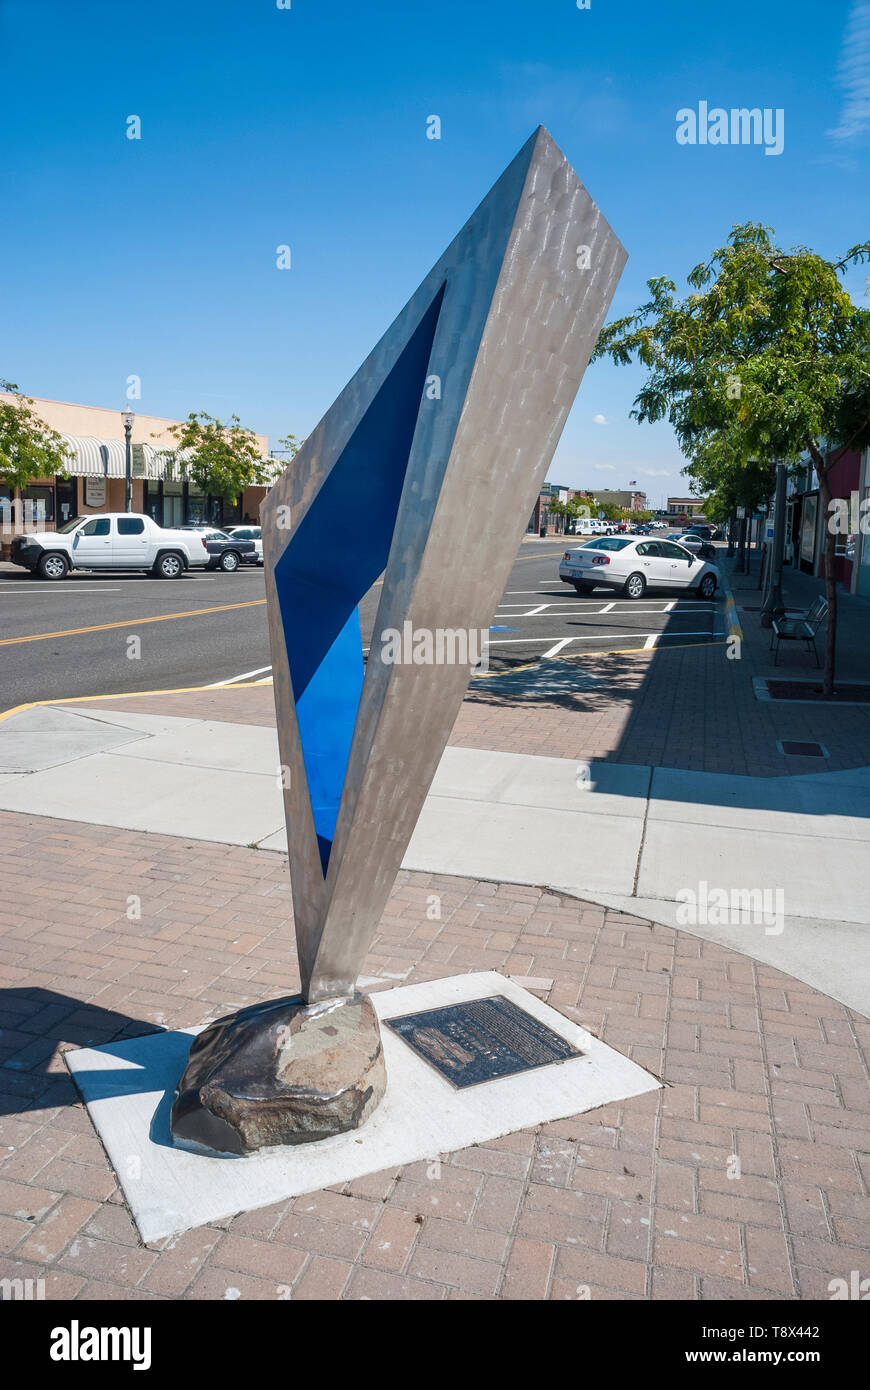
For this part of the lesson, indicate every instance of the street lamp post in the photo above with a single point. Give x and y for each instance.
(773, 604)
(128, 417)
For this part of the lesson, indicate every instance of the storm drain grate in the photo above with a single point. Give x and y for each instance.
(795, 748)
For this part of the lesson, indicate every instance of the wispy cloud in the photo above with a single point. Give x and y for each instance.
(853, 75)
(604, 468)
(655, 472)
(599, 419)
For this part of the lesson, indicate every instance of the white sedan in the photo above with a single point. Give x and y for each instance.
(634, 564)
(249, 533)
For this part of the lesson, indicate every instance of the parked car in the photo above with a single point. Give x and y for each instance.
(633, 566)
(110, 541)
(641, 530)
(224, 552)
(249, 533)
(698, 544)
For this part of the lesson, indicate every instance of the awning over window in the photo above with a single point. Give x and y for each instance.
(106, 458)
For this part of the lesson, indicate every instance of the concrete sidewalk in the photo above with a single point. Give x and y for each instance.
(617, 834)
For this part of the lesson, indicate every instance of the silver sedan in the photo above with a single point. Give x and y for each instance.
(634, 564)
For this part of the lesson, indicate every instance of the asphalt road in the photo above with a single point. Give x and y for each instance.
(74, 638)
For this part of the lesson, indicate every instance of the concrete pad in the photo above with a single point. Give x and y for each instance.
(199, 803)
(44, 737)
(129, 719)
(526, 780)
(818, 875)
(128, 1088)
(525, 844)
(831, 956)
(208, 743)
(807, 805)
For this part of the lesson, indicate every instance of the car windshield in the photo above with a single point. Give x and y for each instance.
(71, 525)
(608, 543)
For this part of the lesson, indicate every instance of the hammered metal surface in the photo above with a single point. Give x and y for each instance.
(522, 304)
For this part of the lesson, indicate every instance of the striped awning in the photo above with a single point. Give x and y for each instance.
(106, 458)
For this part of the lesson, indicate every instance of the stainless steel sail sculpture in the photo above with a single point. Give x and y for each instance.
(435, 451)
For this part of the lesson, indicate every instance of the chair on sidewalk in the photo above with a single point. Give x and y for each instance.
(800, 628)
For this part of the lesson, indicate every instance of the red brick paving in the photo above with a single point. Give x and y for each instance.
(747, 1176)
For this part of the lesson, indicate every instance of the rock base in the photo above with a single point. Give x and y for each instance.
(285, 1072)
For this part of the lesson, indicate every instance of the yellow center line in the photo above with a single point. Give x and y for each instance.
(131, 622)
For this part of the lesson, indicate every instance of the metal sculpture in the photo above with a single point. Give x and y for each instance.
(437, 448)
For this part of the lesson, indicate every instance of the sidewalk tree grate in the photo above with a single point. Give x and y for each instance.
(844, 693)
(796, 748)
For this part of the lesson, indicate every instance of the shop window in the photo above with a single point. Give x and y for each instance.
(38, 503)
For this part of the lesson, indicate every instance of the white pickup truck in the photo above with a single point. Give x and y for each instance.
(111, 541)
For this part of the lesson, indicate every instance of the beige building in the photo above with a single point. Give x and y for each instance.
(629, 501)
(96, 473)
(686, 508)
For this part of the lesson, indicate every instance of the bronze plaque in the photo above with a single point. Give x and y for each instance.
(481, 1040)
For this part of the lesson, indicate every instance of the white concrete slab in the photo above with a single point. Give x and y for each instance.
(558, 783)
(835, 804)
(525, 844)
(42, 738)
(128, 1090)
(130, 719)
(237, 808)
(819, 875)
(228, 747)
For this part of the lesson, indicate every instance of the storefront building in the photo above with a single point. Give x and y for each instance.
(96, 478)
(806, 522)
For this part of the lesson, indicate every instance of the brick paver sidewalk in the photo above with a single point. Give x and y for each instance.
(748, 1176)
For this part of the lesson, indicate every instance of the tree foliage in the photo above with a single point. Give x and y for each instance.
(221, 459)
(28, 448)
(767, 359)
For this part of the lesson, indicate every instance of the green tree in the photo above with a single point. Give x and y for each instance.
(727, 481)
(28, 448)
(769, 349)
(221, 459)
(289, 444)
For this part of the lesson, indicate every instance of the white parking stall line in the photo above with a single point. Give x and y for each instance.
(651, 641)
(595, 637)
(534, 611)
(607, 607)
(64, 593)
(557, 648)
(245, 676)
(670, 606)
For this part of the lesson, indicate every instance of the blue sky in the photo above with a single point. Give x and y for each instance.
(307, 127)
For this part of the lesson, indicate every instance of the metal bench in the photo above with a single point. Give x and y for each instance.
(800, 628)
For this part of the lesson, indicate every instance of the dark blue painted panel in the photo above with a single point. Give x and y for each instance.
(337, 553)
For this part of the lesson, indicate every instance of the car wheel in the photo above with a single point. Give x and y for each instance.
(635, 586)
(168, 566)
(707, 587)
(229, 561)
(582, 587)
(53, 567)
